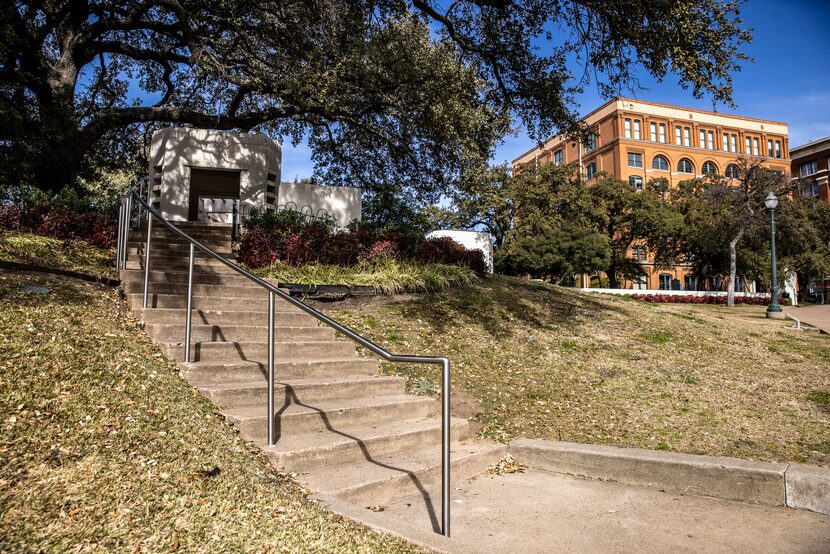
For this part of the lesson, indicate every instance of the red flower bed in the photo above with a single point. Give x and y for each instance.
(684, 299)
(60, 222)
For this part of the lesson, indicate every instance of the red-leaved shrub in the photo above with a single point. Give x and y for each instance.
(381, 250)
(256, 248)
(720, 299)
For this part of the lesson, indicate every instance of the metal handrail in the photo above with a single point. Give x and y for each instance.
(124, 227)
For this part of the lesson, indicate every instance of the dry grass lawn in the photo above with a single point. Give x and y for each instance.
(550, 362)
(104, 448)
(71, 255)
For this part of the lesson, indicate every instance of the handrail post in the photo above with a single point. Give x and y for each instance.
(234, 220)
(272, 437)
(119, 237)
(445, 448)
(147, 259)
(189, 318)
(126, 231)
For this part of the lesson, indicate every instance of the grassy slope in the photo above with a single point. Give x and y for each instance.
(549, 362)
(103, 447)
(388, 276)
(72, 255)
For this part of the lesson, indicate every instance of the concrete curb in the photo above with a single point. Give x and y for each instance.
(792, 485)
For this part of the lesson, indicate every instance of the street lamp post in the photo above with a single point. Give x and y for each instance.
(773, 310)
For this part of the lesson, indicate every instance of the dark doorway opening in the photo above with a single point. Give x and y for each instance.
(212, 183)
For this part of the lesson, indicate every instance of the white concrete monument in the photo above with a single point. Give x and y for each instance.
(471, 240)
(195, 173)
(202, 175)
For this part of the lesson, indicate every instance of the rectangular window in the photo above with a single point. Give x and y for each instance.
(678, 136)
(627, 128)
(739, 284)
(637, 135)
(748, 146)
(770, 149)
(636, 181)
(734, 143)
(654, 132)
(811, 190)
(756, 147)
(711, 144)
(690, 282)
(725, 142)
(665, 281)
(589, 147)
(635, 159)
(557, 157)
(687, 136)
(641, 282)
(662, 132)
(777, 148)
(702, 142)
(640, 253)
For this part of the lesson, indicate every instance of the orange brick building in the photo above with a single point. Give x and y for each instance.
(811, 164)
(637, 141)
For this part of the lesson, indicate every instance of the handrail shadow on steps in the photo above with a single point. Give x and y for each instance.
(124, 226)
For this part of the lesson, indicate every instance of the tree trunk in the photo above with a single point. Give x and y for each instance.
(611, 273)
(733, 262)
(56, 166)
(803, 280)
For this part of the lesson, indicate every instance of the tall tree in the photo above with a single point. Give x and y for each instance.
(388, 93)
(719, 211)
(627, 217)
(485, 198)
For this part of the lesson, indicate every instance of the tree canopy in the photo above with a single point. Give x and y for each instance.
(404, 95)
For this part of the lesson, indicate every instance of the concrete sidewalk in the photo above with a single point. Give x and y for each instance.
(817, 316)
(537, 511)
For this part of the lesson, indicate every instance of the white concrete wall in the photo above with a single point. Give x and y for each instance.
(344, 203)
(471, 240)
(174, 150)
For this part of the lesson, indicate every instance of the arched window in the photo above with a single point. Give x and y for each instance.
(733, 172)
(685, 166)
(591, 170)
(709, 168)
(661, 163)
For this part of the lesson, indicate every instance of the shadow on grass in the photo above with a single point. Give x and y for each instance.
(495, 302)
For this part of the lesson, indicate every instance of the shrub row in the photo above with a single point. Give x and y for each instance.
(290, 240)
(683, 299)
(61, 222)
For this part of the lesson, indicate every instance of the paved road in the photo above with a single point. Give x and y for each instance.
(817, 316)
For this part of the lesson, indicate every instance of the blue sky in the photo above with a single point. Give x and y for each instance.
(789, 81)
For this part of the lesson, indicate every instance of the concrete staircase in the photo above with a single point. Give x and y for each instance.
(346, 430)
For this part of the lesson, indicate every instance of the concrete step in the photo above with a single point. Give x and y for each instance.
(193, 231)
(202, 275)
(252, 421)
(214, 242)
(258, 351)
(173, 249)
(243, 290)
(165, 332)
(174, 263)
(320, 449)
(255, 392)
(284, 316)
(213, 372)
(214, 302)
(383, 478)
